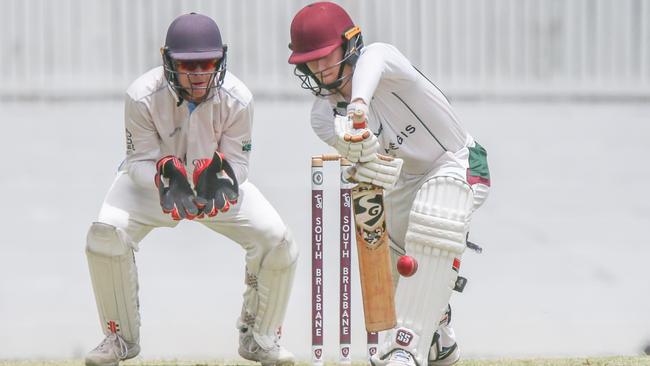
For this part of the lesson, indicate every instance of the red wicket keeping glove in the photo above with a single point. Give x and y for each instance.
(177, 196)
(215, 191)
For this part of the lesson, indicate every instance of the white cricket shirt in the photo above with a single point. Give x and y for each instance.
(157, 127)
(410, 116)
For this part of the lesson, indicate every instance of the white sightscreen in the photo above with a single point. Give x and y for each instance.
(69, 48)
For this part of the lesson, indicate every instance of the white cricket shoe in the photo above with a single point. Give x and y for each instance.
(396, 357)
(440, 355)
(443, 356)
(250, 350)
(111, 351)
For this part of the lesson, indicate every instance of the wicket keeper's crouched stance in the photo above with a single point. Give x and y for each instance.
(444, 175)
(188, 133)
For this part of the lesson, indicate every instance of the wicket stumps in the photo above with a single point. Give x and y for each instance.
(345, 237)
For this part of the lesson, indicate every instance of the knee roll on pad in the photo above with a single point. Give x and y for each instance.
(108, 241)
(115, 280)
(440, 215)
(282, 255)
(438, 225)
(436, 233)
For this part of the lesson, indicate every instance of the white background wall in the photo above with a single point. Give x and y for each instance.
(470, 48)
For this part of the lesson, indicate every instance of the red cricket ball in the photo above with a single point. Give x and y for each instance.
(407, 266)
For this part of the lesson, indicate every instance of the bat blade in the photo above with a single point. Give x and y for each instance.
(374, 258)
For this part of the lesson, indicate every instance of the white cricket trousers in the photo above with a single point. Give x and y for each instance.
(252, 223)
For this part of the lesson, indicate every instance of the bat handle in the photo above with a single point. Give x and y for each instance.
(359, 122)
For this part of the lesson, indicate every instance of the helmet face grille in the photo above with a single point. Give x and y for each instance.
(309, 80)
(172, 76)
(193, 37)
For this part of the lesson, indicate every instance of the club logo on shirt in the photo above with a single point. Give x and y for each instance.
(401, 138)
(130, 147)
(246, 145)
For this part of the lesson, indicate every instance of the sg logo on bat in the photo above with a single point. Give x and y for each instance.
(369, 213)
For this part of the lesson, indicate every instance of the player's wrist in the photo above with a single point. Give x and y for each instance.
(357, 105)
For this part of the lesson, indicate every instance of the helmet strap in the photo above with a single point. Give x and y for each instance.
(352, 45)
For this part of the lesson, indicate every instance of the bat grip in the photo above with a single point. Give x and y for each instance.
(356, 138)
(358, 125)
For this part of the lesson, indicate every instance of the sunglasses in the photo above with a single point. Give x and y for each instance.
(184, 66)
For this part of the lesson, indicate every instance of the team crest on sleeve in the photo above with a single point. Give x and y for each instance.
(246, 145)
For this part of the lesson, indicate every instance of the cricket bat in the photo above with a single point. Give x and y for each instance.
(373, 253)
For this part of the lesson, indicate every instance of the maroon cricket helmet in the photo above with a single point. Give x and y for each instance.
(317, 30)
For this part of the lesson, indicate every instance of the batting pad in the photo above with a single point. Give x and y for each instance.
(438, 225)
(274, 283)
(115, 280)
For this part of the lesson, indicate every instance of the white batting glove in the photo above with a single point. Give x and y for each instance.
(382, 171)
(355, 144)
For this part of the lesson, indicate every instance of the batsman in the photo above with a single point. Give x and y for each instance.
(437, 178)
(188, 143)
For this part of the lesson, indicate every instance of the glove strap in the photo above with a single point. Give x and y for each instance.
(163, 170)
(214, 165)
(168, 171)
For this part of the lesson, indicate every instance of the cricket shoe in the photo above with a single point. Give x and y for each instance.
(111, 351)
(396, 357)
(252, 351)
(443, 356)
(440, 355)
